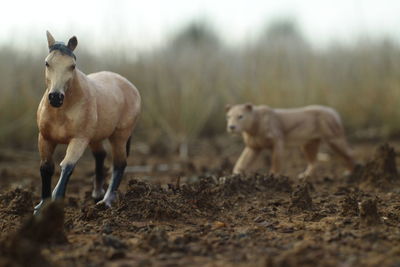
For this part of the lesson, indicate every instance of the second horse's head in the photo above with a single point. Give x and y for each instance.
(60, 69)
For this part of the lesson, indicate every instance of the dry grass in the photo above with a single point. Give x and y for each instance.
(186, 87)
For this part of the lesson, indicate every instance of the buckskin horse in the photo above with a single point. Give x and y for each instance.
(83, 110)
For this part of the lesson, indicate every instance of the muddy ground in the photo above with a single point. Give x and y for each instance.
(194, 213)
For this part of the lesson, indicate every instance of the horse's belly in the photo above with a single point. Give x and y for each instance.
(104, 132)
(259, 143)
(108, 118)
(300, 140)
(113, 114)
(302, 132)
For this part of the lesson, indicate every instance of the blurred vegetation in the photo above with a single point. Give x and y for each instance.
(186, 84)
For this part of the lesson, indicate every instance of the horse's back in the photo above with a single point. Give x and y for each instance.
(117, 99)
(112, 83)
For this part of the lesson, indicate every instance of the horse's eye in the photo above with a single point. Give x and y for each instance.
(47, 64)
(72, 67)
(240, 117)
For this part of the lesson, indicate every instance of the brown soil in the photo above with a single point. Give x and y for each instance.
(202, 216)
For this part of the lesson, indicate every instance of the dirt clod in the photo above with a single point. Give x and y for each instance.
(369, 213)
(23, 248)
(48, 226)
(301, 199)
(380, 172)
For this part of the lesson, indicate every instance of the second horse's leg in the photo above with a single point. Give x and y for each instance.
(277, 155)
(75, 149)
(310, 151)
(340, 146)
(246, 160)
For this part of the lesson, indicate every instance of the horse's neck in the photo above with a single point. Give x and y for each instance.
(78, 90)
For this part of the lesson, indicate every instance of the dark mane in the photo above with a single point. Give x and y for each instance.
(60, 46)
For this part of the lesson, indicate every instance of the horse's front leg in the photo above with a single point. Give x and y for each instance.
(75, 149)
(246, 160)
(277, 155)
(46, 150)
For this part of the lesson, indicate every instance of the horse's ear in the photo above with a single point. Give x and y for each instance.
(50, 38)
(227, 107)
(248, 106)
(72, 43)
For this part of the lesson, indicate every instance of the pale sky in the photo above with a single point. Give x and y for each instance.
(147, 24)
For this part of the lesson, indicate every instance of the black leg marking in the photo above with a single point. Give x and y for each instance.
(59, 190)
(118, 172)
(99, 158)
(100, 172)
(46, 172)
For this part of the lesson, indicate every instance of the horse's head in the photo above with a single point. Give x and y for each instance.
(60, 69)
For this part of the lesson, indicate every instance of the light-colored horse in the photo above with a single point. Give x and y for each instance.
(83, 110)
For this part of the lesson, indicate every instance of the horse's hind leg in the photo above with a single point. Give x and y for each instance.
(340, 146)
(118, 143)
(46, 150)
(99, 154)
(310, 150)
(75, 149)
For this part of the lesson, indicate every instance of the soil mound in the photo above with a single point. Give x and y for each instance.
(301, 199)
(206, 197)
(146, 201)
(23, 248)
(239, 184)
(48, 226)
(380, 172)
(17, 201)
(369, 213)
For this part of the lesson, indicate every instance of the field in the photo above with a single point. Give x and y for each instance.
(194, 213)
(178, 203)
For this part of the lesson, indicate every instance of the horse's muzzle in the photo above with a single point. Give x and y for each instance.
(56, 99)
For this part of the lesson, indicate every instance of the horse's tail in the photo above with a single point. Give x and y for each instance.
(128, 146)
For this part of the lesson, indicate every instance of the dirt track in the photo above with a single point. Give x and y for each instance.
(207, 218)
